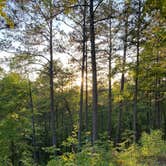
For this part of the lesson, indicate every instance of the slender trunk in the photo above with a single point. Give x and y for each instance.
(57, 116)
(157, 97)
(110, 80)
(151, 112)
(13, 155)
(154, 110)
(33, 123)
(136, 75)
(94, 75)
(46, 128)
(157, 105)
(82, 74)
(118, 134)
(62, 124)
(148, 114)
(51, 75)
(102, 120)
(86, 90)
(70, 113)
(158, 108)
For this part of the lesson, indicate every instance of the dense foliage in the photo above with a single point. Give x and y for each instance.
(83, 83)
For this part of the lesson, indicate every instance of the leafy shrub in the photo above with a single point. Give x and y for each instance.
(129, 156)
(89, 156)
(151, 151)
(152, 147)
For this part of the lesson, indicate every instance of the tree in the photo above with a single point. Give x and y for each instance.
(138, 25)
(110, 74)
(122, 83)
(7, 22)
(94, 72)
(15, 124)
(153, 54)
(84, 38)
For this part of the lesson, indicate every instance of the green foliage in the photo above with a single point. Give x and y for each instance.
(51, 150)
(16, 117)
(148, 153)
(157, 4)
(4, 15)
(153, 145)
(98, 155)
(15, 126)
(129, 156)
(95, 156)
(71, 140)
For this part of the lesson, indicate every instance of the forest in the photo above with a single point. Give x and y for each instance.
(83, 83)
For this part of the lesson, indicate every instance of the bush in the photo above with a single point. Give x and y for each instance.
(153, 145)
(153, 148)
(148, 153)
(89, 156)
(151, 151)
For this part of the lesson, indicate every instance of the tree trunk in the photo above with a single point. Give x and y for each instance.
(57, 116)
(94, 75)
(33, 123)
(13, 154)
(82, 74)
(86, 90)
(110, 79)
(51, 75)
(136, 75)
(70, 113)
(157, 97)
(118, 134)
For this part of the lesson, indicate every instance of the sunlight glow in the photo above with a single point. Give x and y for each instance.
(77, 82)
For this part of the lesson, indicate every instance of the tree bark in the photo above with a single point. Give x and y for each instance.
(157, 97)
(33, 123)
(13, 153)
(94, 75)
(51, 75)
(86, 90)
(109, 78)
(82, 74)
(70, 112)
(118, 134)
(137, 74)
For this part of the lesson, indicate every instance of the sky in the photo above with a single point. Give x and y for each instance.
(64, 58)
(3, 54)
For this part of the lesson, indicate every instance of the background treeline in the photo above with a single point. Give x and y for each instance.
(115, 50)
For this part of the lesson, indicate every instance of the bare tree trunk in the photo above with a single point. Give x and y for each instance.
(51, 75)
(86, 90)
(148, 114)
(82, 74)
(137, 74)
(94, 75)
(157, 97)
(70, 112)
(62, 124)
(13, 153)
(151, 113)
(110, 79)
(33, 123)
(57, 116)
(118, 134)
